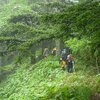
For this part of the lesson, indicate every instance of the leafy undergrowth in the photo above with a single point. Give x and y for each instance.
(46, 81)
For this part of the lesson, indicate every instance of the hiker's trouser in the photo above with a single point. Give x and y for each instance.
(70, 67)
(63, 64)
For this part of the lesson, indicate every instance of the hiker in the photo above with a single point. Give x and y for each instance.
(70, 63)
(54, 51)
(46, 52)
(62, 64)
(63, 59)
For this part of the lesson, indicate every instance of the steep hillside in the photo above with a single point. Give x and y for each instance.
(29, 29)
(46, 81)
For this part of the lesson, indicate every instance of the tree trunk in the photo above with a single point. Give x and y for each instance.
(59, 45)
(57, 42)
(33, 59)
(33, 56)
(2, 62)
(42, 46)
(97, 64)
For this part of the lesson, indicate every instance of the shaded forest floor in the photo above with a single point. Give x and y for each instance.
(46, 81)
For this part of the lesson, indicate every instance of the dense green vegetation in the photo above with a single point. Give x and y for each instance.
(46, 81)
(29, 26)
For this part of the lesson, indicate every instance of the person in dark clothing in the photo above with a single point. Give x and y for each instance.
(70, 61)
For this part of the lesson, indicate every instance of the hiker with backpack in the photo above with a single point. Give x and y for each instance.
(70, 63)
(54, 51)
(63, 59)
